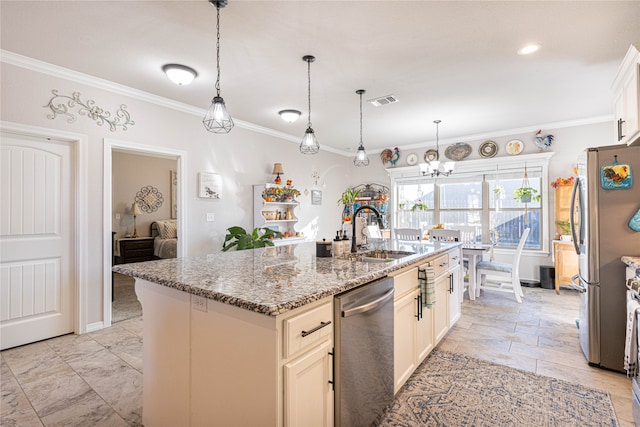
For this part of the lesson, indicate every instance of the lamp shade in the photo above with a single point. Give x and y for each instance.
(277, 169)
(135, 210)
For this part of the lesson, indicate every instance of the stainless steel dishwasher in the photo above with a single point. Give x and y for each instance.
(363, 376)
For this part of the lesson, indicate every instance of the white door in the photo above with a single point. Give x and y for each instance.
(37, 274)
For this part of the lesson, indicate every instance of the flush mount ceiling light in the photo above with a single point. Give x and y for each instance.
(433, 167)
(180, 74)
(361, 158)
(529, 49)
(289, 116)
(309, 144)
(217, 119)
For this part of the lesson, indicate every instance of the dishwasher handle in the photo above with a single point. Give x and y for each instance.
(369, 306)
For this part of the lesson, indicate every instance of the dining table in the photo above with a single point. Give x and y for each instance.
(473, 252)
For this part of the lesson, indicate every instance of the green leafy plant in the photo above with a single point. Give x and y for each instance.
(526, 195)
(348, 197)
(239, 238)
(419, 206)
(499, 192)
(565, 226)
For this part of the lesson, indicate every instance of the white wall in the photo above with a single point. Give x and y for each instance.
(242, 157)
(568, 143)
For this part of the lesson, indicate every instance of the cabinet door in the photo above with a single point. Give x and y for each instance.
(441, 308)
(405, 310)
(308, 395)
(566, 263)
(424, 334)
(454, 295)
(630, 96)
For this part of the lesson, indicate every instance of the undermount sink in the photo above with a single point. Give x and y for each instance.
(383, 256)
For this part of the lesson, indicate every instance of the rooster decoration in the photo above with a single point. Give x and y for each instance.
(543, 143)
(395, 156)
(385, 156)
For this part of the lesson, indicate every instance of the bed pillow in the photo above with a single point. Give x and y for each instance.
(170, 230)
(160, 229)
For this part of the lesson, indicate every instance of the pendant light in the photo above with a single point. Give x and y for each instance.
(218, 119)
(433, 167)
(309, 144)
(361, 158)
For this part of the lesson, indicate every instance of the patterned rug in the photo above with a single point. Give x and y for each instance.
(454, 390)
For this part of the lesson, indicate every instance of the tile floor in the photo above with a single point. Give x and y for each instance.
(96, 379)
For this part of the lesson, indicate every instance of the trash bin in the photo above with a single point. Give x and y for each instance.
(548, 277)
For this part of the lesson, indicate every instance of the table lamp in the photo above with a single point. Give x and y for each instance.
(277, 170)
(135, 211)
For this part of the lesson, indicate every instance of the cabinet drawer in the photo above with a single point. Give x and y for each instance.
(405, 282)
(141, 244)
(303, 324)
(440, 264)
(454, 258)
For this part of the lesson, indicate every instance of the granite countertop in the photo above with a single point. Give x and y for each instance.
(632, 261)
(273, 280)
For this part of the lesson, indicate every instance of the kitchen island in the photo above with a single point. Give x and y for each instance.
(245, 338)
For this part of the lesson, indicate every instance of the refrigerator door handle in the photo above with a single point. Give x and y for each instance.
(577, 284)
(574, 236)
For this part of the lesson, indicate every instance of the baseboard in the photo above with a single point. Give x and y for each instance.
(92, 327)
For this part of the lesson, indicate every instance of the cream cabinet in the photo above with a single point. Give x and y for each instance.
(626, 91)
(441, 307)
(412, 327)
(205, 360)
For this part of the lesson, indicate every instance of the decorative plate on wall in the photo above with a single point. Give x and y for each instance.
(515, 146)
(430, 155)
(458, 151)
(488, 149)
(412, 159)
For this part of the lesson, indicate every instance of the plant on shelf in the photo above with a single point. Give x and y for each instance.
(287, 193)
(239, 238)
(526, 195)
(565, 226)
(347, 199)
(559, 182)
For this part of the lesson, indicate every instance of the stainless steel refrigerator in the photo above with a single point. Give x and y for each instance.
(601, 210)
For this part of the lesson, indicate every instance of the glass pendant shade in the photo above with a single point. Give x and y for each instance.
(361, 158)
(218, 119)
(309, 144)
(433, 166)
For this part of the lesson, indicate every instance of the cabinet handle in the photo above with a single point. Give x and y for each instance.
(419, 299)
(333, 369)
(320, 326)
(450, 283)
(620, 135)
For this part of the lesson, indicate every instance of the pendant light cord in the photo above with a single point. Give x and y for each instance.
(218, 49)
(309, 91)
(361, 119)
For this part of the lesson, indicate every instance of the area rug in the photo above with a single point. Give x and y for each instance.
(451, 389)
(125, 302)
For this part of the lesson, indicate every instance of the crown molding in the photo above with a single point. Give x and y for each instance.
(89, 80)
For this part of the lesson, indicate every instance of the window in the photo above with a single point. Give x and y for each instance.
(478, 199)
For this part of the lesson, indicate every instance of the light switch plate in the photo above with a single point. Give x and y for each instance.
(199, 303)
(210, 216)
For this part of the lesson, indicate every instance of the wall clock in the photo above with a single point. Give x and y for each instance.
(412, 159)
(149, 199)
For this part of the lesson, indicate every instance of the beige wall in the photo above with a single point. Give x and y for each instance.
(131, 173)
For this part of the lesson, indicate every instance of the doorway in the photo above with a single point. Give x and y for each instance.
(129, 170)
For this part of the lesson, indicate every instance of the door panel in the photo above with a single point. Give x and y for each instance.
(36, 239)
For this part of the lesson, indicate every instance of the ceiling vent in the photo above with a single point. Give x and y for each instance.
(389, 99)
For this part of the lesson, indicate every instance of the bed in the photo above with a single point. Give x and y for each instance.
(165, 234)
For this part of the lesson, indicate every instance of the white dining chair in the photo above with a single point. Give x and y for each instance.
(407, 233)
(503, 269)
(444, 235)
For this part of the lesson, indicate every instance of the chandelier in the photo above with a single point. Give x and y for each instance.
(361, 158)
(217, 119)
(432, 167)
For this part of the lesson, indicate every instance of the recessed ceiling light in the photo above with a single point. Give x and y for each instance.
(179, 74)
(528, 49)
(289, 116)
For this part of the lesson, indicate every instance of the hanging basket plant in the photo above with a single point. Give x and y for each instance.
(526, 195)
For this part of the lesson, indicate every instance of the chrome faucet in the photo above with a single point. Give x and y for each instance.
(354, 247)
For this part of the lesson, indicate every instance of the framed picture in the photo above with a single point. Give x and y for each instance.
(209, 185)
(173, 184)
(316, 197)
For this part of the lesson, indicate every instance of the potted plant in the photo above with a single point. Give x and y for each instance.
(499, 192)
(347, 199)
(259, 238)
(526, 195)
(419, 206)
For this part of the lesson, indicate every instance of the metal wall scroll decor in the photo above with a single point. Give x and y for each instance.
(121, 119)
(149, 199)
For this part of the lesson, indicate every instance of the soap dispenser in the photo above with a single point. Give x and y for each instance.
(337, 245)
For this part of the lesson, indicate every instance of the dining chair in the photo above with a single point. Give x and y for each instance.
(503, 269)
(467, 233)
(407, 233)
(444, 235)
